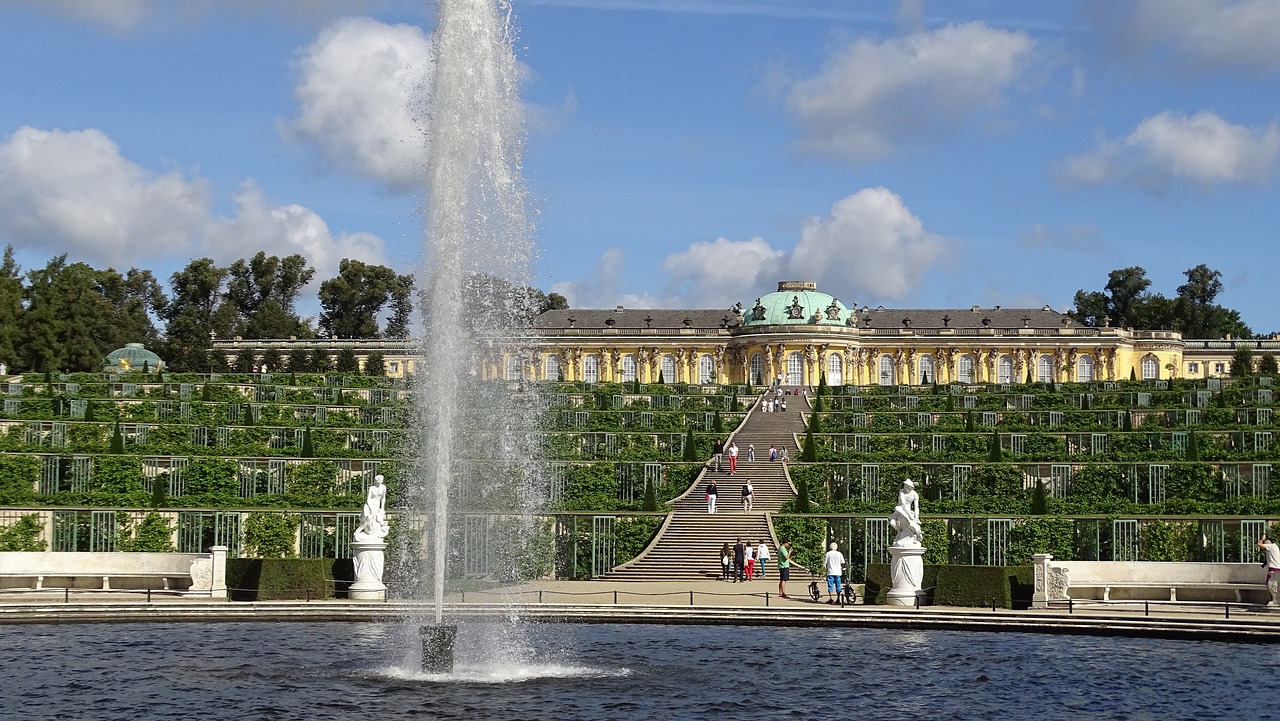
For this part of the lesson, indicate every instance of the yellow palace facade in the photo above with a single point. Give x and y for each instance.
(799, 334)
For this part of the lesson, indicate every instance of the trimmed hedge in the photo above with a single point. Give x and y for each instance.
(282, 579)
(967, 586)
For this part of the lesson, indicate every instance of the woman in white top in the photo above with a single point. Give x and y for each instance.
(762, 557)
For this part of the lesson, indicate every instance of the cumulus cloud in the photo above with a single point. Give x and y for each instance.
(873, 97)
(360, 90)
(601, 289)
(871, 243)
(1079, 237)
(713, 274)
(1194, 35)
(1170, 148)
(72, 191)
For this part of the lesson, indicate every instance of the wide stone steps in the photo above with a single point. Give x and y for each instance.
(689, 546)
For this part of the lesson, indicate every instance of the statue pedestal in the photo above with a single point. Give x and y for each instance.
(369, 557)
(907, 571)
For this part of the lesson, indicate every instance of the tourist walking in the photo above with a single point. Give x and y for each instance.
(718, 453)
(784, 455)
(711, 496)
(739, 561)
(751, 453)
(762, 557)
(733, 457)
(784, 568)
(773, 452)
(748, 496)
(726, 561)
(834, 564)
(749, 555)
(1272, 552)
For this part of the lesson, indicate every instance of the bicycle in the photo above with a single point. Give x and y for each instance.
(848, 594)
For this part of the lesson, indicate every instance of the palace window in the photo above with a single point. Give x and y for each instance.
(964, 369)
(888, 376)
(926, 370)
(795, 368)
(667, 367)
(552, 367)
(1004, 369)
(513, 368)
(706, 370)
(628, 368)
(1044, 369)
(757, 370)
(835, 370)
(1150, 368)
(1084, 369)
(1193, 368)
(591, 368)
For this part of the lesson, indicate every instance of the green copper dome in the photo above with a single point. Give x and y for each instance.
(132, 357)
(797, 302)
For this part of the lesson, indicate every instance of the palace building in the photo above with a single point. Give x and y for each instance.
(800, 334)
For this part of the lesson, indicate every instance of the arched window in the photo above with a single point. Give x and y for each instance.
(1150, 368)
(591, 368)
(927, 374)
(835, 370)
(552, 367)
(706, 370)
(888, 376)
(628, 368)
(667, 367)
(1004, 369)
(795, 368)
(964, 369)
(1044, 369)
(513, 368)
(757, 370)
(1084, 368)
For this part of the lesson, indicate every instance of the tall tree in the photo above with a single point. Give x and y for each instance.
(136, 298)
(1126, 290)
(68, 322)
(196, 314)
(11, 310)
(401, 308)
(264, 290)
(353, 300)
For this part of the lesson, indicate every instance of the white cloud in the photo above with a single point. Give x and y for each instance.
(361, 92)
(870, 244)
(1081, 237)
(1169, 148)
(1194, 35)
(713, 275)
(601, 289)
(285, 230)
(874, 97)
(72, 191)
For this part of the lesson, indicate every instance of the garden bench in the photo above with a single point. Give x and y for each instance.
(188, 574)
(1147, 581)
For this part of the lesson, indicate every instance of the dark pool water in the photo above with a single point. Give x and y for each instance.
(353, 671)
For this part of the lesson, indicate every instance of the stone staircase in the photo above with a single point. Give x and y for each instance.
(688, 547)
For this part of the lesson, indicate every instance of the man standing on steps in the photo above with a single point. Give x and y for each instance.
(748, 495)
(718, 452)
(711, 496)
(739, 561)
(784, 568)
(733, 457)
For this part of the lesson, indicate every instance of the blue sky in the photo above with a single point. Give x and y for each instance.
(681, 152)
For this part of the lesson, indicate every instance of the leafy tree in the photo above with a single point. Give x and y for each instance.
(650, 502)
(1039, 500)
(375, 364)
(995, 454)
(690, 445)
(320, 362)
(1242, 362)
(353, 300)
(135, 298)
(401, 308)
(67, 323)
(271, 360)
(1267, 365)
(263, 291)
(802, 495)
(308, 446)
(154, 535)
(299, 361)
(196, 314)
(11, 310)
(347, 361)
(245, 360)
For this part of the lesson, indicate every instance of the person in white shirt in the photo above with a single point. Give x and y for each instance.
(750, 557)
(762, 557)
(834, 563)
(1272, 552)
(748, 495)
(733, 457)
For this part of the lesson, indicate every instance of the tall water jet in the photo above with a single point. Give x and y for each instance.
(469, 440)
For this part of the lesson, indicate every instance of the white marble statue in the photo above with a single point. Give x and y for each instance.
(373, 517)
(906, 516)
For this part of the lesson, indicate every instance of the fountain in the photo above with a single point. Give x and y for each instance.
(477, 260)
